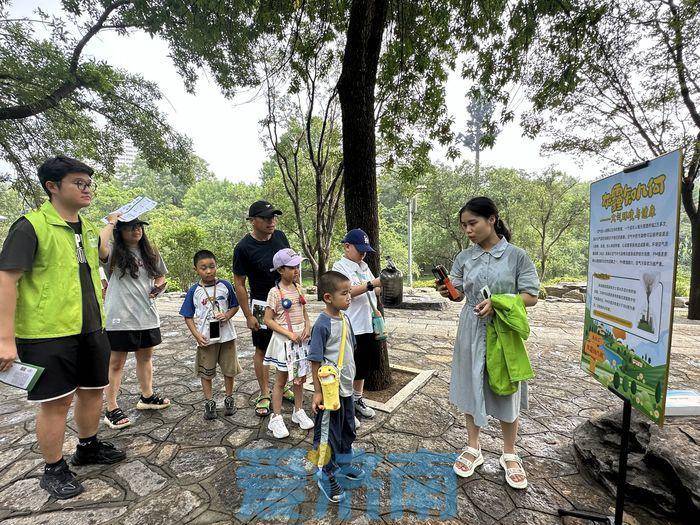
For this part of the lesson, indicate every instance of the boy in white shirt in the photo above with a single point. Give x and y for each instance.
(364, 290)
(212, 301)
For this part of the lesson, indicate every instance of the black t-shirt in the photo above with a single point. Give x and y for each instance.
(253, 259)
(18, 253)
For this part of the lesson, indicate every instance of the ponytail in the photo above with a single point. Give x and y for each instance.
(502, 229)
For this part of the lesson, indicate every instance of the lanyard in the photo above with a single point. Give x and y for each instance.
(343, 339)
(212, 300)
(362, 277)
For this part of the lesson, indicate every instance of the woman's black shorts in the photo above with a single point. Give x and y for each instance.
(133, 340)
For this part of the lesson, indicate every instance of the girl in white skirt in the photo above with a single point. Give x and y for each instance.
(287, 317)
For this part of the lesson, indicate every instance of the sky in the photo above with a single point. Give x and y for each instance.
(227, 133)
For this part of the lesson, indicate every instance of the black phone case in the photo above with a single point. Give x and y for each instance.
(214, 330)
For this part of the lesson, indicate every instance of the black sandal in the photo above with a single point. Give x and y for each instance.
(113, 417)
(154, 402)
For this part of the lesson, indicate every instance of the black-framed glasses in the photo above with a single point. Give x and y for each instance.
(83, 185)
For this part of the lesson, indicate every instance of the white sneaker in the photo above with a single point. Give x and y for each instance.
(363, 409)
(304, 421)
(277, 426)
(357, 423)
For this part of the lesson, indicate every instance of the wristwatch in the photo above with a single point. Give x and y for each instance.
(370, 286)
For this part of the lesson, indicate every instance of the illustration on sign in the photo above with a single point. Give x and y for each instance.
(631, 276)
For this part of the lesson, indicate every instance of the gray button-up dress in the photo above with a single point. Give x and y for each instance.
(505, 269)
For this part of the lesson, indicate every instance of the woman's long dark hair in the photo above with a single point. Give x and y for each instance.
(486, 208)
(123, 259)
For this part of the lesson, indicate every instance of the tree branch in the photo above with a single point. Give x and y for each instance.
(71, 83)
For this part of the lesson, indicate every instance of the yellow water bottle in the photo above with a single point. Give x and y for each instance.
(328, 375)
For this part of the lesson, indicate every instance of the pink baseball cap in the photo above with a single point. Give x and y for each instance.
(286, 257)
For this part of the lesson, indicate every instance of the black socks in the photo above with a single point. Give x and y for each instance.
(87, 442)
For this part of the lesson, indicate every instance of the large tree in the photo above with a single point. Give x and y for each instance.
(303, 132)
(615, 79)
(55, 99)
(557, 203)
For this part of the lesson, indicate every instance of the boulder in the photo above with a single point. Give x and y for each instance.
(560, 289)
(680, 302)
(663, 466)
(575, 295)
(555, 290)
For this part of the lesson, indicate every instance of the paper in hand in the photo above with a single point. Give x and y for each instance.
(134, 209)
(21, 375)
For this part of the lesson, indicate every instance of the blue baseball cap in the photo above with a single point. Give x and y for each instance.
(359, 239)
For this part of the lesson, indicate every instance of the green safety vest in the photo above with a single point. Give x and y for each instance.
(49, 296)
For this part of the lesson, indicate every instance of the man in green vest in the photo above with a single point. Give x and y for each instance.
(51, 316)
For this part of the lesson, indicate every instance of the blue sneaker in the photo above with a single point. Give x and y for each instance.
(330, 488)
(351, 472)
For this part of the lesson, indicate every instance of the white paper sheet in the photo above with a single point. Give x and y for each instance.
(20, 375)
(134, 209)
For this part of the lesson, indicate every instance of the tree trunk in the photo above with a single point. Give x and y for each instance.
(691, 208)
(694, 296)
(322, 268)
(356, 94)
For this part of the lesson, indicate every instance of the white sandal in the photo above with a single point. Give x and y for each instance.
(469, 464)
(514, 471)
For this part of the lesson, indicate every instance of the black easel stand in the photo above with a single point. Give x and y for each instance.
(621, 478)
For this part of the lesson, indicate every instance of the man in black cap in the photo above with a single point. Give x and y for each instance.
(252, 260)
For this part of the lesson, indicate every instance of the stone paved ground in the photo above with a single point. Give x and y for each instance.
(181, 469)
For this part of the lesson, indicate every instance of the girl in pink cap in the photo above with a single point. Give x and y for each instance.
(287, 317)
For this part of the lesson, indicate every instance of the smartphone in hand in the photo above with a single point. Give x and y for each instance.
(442, 277)
(214, 331)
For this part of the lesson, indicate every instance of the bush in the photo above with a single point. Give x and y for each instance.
(682, 282)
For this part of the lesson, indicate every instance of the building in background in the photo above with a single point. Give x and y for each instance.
(128, 156)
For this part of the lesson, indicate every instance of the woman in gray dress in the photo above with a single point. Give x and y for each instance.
(490, 263)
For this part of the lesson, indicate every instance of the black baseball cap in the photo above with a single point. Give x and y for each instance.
(130, 224)
(262, 209)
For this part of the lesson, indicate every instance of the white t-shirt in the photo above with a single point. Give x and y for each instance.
(360, 311)
(198, 306)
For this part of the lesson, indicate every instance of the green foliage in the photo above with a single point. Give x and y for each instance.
(53, 98)
(10, 208)
(175, 243)
(303, 178)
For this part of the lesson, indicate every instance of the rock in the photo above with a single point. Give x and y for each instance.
(434, 421)
(24, 495)
(171, 506)
(561, 289)
(96, 491)
(165, 454)
(140, 478)
(240, 436)
(663, 467)
(19, 469)
(8, 457)
(680, 302)
(555, 290)
(415, 302)
(199, 462)
(575, 294)
(91, 517)
(311, 290)
(490, 498)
